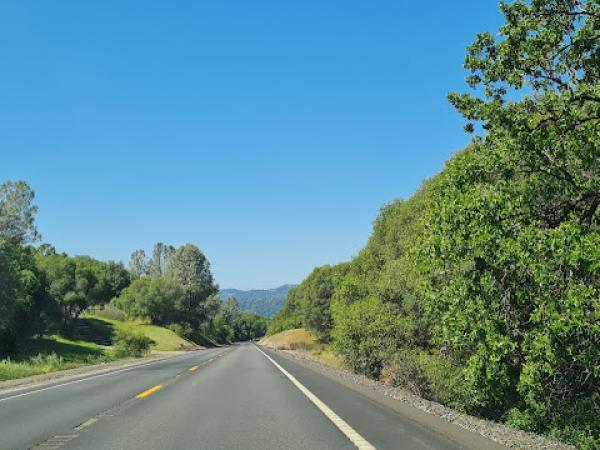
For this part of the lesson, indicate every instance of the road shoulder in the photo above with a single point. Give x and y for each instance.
(467, 431)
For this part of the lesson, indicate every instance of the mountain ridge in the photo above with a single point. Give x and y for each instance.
(264, 302)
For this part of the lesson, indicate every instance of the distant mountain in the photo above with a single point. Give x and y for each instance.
(265, 302)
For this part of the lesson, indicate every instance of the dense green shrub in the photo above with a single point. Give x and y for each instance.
(405, 370)
(428, 374)
(130, 344)
(366, 334)
(182, 330)
(158, 299)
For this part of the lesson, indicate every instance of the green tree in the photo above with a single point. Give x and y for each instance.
(189, 267)
(23, 303)
(156, 299)
(317, 298)
(25, 308)
(515, 238)
(60, 273)
(540, 100)
(251, 326)
(77, 283)
(138, 264)
(229, 323)
(291, 315)
(230, 309)
(161, 257)
(17, 213)
(113, 278)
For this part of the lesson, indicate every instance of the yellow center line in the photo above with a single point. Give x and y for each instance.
(211, 359)
(193, 369)
(147, 392)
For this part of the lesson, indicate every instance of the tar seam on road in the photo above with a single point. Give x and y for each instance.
(340, 423)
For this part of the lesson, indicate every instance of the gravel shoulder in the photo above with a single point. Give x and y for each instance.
(406, 403)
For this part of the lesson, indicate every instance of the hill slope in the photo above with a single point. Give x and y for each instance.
(89, 344)
(163, 338)
(264, 302)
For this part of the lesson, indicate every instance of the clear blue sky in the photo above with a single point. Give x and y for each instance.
(268, 133)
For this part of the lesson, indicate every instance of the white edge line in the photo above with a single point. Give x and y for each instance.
(80, 380)
(340, 423)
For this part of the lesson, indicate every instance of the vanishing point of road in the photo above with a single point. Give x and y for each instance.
(237, 397)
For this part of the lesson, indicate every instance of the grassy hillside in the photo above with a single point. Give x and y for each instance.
(164, 339)
(54, 353)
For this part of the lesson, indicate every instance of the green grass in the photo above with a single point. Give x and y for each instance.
(68, 349)
(164, 339)
(50, 354)
(53, 353)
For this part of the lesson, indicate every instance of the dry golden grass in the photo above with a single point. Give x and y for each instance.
(303, 341)
(326, 356)
(297, 338)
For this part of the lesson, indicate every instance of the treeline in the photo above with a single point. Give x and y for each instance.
(44, 292)
(482, 290)
(175, 288)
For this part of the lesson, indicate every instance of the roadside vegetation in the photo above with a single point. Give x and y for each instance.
(59, 311)
(293, 339)
(482, 290)
(119, 339)
(162, 339)
(304, 341)
(175, 289)
(50, 354)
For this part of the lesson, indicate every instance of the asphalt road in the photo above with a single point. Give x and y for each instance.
(227, 398)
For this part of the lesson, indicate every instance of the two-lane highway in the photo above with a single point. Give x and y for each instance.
(227, 398)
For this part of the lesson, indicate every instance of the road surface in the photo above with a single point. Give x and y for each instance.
(235, 397)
